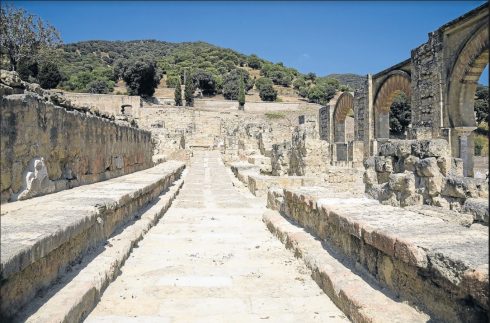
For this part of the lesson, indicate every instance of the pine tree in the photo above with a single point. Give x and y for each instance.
(241, 96)
(189, 92)
(178, 95)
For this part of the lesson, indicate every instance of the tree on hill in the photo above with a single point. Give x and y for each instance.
(141, 78)
(23, 35)
(49, 75)
(189, 92)
(241, 95)
(321, 93)
(205, 81)
(178, 94)
(100, 87)
(254, 62)
(231, 83)
(266, 89)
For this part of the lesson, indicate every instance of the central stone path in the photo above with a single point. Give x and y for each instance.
(212, 259)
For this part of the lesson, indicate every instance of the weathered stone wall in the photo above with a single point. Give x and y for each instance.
(47, 148)
(309, 155)
(416, 172)
(108, 103)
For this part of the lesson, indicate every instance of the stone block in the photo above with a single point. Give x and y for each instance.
(383, 164)
(409, 163)
(478, 208)
(427, 167)
(433, 185)
(402, 182)
(407, 198)
(430, 148)
(465, 187)
(450, 166)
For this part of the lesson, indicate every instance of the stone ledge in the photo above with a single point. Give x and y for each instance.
(360, 299)
(81, 291)
(436, 264)
(48, 233)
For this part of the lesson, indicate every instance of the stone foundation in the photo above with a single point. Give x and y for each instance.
(417, 172)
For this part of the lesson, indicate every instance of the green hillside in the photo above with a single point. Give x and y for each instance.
(95, 66)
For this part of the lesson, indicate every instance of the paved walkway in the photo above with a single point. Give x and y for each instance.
(212, 259)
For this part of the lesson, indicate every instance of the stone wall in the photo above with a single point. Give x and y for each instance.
(47, 148)
(416, 172)
(107, 103)
(309, 155)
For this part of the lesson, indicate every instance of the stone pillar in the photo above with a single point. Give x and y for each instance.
(464, 140)
(369, 119)
(357, 151)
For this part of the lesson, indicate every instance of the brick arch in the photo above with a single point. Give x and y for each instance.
(344, 103)
(396, 81)
(463, 79)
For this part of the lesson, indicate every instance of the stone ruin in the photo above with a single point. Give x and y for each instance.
(390, 229)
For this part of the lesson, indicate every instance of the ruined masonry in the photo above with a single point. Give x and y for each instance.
(115, 209)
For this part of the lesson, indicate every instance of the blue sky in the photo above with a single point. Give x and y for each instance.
(319, 36)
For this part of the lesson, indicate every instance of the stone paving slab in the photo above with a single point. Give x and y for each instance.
(213, 263)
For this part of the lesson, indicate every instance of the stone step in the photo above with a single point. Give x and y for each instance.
(49, 234)
(77, 293)
(439, 266)
(360, 298)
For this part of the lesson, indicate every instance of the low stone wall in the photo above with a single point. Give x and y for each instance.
(260, 184)
(416, 172)
(41, 238)
(47, 148)
(107, 103)
(410, 253)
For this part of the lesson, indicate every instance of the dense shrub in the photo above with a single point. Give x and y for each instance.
(49, 75)
(254, 62)
(481, 104)
(100, 87)
(400, 115)
(231, 83)
(266, 89)
(205, 81)
(141, 78)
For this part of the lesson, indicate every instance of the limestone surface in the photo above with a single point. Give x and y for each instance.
(211, 259)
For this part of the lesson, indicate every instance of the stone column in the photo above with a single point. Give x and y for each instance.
(466, 148)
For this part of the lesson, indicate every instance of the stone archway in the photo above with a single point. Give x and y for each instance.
(464, 77)
(394, 82)
(344, 104)
(462, 83)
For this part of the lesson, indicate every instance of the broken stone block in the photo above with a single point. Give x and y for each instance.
(430, 148)
(464, 187)
(450, 166)
(478, 208)
(402, 182)
(427, 167)
(432, 185)
(370, 177)
(383, 164)
(408, 198)
(409, 163)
